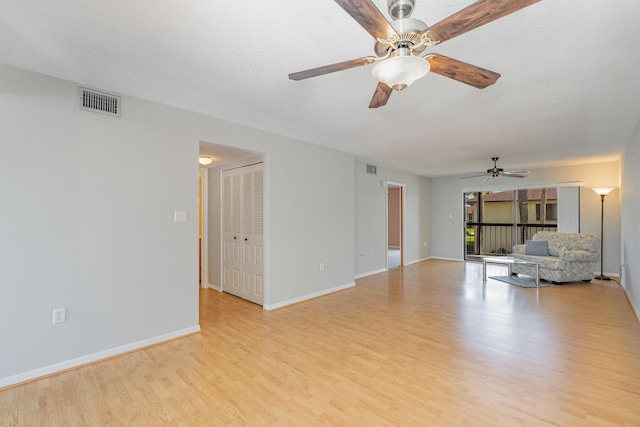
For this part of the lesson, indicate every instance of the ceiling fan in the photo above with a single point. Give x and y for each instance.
(399, 42)
(495, 172)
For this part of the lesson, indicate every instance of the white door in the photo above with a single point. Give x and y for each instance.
(243, 232)
(231, 234)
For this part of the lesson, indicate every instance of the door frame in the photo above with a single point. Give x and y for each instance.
(403, 206)
(464, 190)
(264, 159)
(204, 242)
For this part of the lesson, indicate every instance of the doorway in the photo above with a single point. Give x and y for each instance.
(395, 225)
(243, 232)
(210, 204)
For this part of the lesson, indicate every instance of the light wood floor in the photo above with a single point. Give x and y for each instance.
(427, 345)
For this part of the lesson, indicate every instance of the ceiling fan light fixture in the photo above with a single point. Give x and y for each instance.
(400, 71)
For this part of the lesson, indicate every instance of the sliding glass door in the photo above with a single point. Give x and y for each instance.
(497, 220)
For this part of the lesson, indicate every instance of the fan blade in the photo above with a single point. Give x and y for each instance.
(511, 175)
(488, 178)
(479, 13)
(380, 96)
(515, 172)
(474, 176)
(370, 17)
(301, 75)
(461, 71)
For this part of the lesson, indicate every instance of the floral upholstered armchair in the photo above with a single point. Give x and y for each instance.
(562, 257)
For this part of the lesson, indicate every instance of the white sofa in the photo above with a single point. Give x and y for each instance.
(571, 257)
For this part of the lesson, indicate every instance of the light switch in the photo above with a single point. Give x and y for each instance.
(180, 216)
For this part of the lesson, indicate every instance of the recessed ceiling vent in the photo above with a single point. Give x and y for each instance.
(99, 102)
(372, 169)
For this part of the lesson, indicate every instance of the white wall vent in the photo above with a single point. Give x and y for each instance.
(372, 169)
(99, 102)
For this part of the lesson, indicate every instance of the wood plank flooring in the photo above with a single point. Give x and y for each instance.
(426, 345)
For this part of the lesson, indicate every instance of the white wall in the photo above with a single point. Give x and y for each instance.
(630, 196)
(87, 204)
(447, 210)
(370, 227)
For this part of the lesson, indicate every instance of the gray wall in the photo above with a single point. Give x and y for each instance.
(87, 223)
(447, 210)
(370, 227)
(309, 208)
(88, 204)
(630, 196)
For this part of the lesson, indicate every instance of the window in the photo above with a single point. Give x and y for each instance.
(551, 214)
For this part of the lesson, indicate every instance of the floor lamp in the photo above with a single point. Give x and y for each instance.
(602, 192)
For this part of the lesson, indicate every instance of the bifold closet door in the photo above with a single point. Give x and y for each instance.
(243, 229)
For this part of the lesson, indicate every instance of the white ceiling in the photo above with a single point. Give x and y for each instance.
(569, 91)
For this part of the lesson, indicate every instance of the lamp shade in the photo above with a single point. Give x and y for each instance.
(602, 191)
(205, 160)
(399, 72)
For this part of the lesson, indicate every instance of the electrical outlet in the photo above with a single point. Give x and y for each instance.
(321, 266)
(59, 315)
(180, 216)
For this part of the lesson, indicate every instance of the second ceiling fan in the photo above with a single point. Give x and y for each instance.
(399, 42)
(495, 172)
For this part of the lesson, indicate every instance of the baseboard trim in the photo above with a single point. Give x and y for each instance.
(370, 273)
(384, 270)
(417, 261)
(634, 307)
(215, 287)
(446, 259)
(615, 276)
(308, 297)
(91, 358)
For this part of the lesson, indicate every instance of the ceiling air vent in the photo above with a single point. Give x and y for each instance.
(99, 102)
(372, 169)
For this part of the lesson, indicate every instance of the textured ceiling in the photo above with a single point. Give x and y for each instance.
(569, 91)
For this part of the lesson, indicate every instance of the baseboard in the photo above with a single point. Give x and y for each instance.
(370, 273)
(216, 287)
(90, 358)
(612, 275)
(417, 261)
(446, 259)
(383, 270)
(634, 307)
(308, 297)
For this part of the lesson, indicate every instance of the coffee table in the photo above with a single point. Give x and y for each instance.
(509, 261)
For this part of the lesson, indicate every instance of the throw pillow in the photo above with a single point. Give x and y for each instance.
(537, 247)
